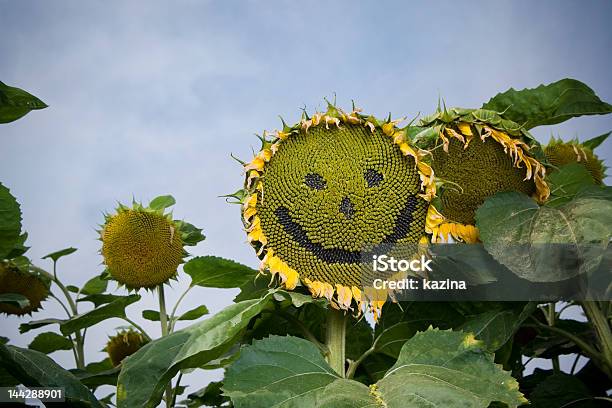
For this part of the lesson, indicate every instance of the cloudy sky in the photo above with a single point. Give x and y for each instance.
(150, 98)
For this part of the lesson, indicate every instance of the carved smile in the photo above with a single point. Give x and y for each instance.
(339, 255)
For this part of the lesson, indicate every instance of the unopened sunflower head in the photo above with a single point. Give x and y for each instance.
(142, 246)
(19, 276)
(124, 344)
(559, 153)
(322, 190)
(476, 154)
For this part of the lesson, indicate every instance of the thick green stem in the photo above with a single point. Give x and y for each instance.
(603, 330)
(163, 318)
(335, 340)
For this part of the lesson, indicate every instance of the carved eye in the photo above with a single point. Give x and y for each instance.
(315, 181)
(373, 177)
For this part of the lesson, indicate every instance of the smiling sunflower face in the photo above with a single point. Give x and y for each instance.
(326, 190)
(330, 193)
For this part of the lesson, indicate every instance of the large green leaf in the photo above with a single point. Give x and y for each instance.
(497, 326)
(15, 103)
(49, 342)
(35, 369)
(115, 308)
(145, 374)
(548, 104)
(278, 372)
(435, 369)
(566, 182)
(10, 221)
(447, 369)
(544, 244)
(215, 272)
(399, 322)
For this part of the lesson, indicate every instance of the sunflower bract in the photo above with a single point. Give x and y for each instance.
(12, 280)
(124, 344)
(141, 248)
(476, 172)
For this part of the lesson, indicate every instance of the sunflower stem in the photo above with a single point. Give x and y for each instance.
(80, 352)
(603, 331)
(163, 319)
(335, 340)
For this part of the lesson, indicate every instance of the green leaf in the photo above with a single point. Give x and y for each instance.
(72, 288)
(10, 221)
(596, 141)
(209, 396)
(536, 242)
(435, 369)
(95, 286)
(54, 256)
(190, 234)
(116, 308)
(98, 373)
(162, 202)
(194, 314)
(100, 299)
(49, 342)
(496, 327)
(152, 315)
(19, 248)
(274, 371)
(548, 104)
(15, 103)
(399, 322)
(35, 324)
(145, 373)
(215, 272)
(15, 299)
(35, 369)
(566, 182)
(562, 390)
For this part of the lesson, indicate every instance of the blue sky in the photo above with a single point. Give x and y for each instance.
(150, 98)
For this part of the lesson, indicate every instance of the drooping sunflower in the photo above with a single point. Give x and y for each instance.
(476, 154)
(142, 246)
(320, 191)
(124, 344)
(559, 153)
(21, 277)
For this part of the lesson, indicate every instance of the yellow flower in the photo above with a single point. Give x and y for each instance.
(474, 158)
(328, 192)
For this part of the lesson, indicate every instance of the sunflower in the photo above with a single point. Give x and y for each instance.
(559, 153)
(24, 279)
(320, 191)
(142, 246)
(476, 154)
(124, 344)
